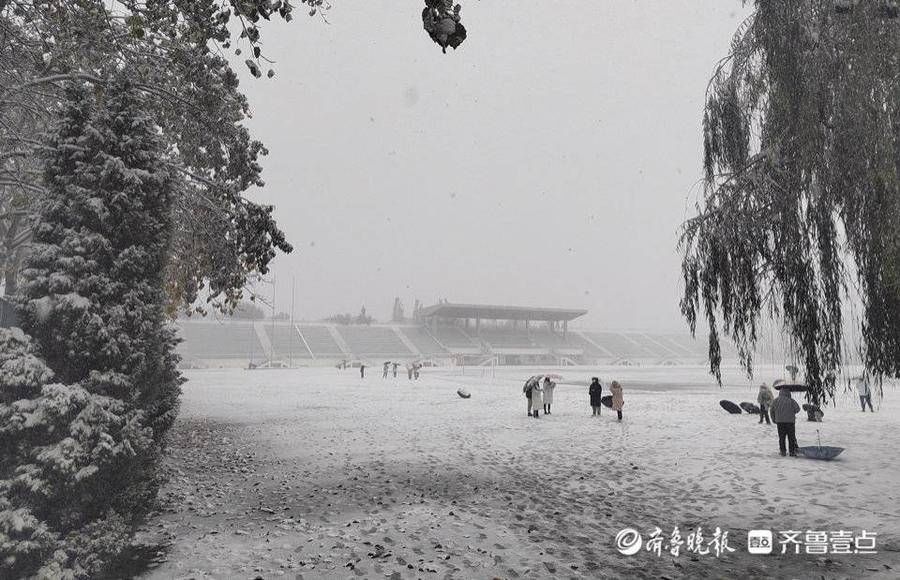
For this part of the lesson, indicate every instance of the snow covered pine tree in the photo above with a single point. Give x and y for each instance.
(80, 456)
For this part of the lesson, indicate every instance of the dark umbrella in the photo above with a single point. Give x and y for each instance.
(825, 453)
(794, 388)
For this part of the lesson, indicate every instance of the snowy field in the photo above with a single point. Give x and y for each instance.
(315, 473)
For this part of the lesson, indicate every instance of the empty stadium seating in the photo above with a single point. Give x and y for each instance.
(421, 338)
(453, 337)
(320, 341)
(315, 343)
(370, 341)
(210, 340)
(285, 341)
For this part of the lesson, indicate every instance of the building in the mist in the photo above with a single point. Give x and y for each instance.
(444, 334)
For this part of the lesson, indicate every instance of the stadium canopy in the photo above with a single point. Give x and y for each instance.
(492, 312)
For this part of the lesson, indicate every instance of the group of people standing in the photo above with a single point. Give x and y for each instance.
(412, 370)
(539, 395)
(595, 392)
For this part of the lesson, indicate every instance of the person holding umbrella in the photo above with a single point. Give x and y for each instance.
(595, 391)
(784, 413)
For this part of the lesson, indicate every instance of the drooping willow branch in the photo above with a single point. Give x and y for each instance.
(802, 190)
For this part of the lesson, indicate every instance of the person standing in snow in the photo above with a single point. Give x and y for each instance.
(596, 393)
(537, 398)
(384, 370)
(764, 398)
(362, 371)
(618, 400)
(784, 413)
(528, 389)
(549, 387)
(865, 393)
(396, 364)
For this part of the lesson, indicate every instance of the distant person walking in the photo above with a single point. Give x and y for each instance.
(416, 368)
(537, 399)
(549, 387)
(384, 370)
(618, 400)
(362, 371)
(395, 369)
(409, 371)
(865, 393)
(784, 413)
(596, 393)
(764, 398)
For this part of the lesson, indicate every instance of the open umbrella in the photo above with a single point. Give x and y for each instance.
(730, 407)
(822, 452)
(794, 388)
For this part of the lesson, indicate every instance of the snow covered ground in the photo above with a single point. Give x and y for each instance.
(315, 473)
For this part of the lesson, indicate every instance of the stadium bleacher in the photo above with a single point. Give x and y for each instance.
(454, 337)
(285, 341)
(548, 342)
(422, 340)
(374, 341)
(211, 340)
(320, 341)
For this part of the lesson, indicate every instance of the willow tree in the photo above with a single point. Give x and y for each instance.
(801, 205)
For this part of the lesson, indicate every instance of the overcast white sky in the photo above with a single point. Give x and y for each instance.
(549, 161)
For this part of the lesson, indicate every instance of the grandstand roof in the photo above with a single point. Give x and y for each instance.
(494, 312)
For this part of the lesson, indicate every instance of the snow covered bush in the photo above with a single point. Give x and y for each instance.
(86, 401)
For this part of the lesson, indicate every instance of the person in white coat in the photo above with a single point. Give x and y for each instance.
(549, 387)
(537, 399)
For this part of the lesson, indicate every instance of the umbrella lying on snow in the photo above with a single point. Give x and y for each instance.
(819, 451)
(463, 393)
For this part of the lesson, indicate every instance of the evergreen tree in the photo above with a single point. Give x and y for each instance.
(83, 453)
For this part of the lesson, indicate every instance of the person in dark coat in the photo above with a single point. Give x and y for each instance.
(784, 414)
(596, 393)
(362, 371)
(396, 364)
(527, 389)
